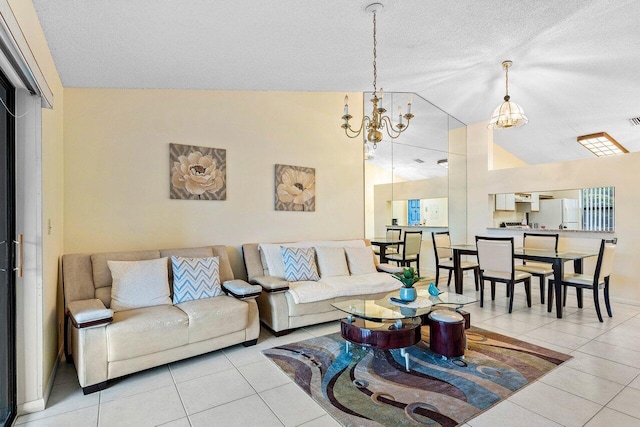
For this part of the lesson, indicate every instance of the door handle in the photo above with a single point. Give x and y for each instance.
(18, 267)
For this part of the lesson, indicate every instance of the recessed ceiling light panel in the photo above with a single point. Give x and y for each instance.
(602, 144)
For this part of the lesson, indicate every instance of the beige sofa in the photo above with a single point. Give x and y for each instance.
(277, 304)
(106, 345)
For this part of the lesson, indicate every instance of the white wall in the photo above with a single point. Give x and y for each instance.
(617, 171)
(117, 176)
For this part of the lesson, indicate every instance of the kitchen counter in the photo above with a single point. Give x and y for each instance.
(549, 230)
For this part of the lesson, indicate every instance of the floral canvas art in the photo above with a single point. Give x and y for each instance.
(295, 188)
(198, 173)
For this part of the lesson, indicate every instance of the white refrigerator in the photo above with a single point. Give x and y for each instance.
(558, 213)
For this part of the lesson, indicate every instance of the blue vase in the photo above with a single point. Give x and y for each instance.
(408, 294)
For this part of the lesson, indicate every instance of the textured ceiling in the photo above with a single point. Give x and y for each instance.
(576, 62)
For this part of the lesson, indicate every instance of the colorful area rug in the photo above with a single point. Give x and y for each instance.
(371, 387)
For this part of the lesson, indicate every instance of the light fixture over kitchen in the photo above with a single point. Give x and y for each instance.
(508, 114)
(444, 163)
(378, 121)
(602, 144)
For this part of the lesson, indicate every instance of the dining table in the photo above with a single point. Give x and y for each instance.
(556, 258)
(383, 243)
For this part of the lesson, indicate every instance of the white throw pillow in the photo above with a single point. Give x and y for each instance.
(195, 278)
(299, 264)
(139, 284)
(360, 260)
(331, 261)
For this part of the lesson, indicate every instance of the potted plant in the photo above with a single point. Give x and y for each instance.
(408, 277)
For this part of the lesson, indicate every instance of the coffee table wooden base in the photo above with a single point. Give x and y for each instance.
(384, 335)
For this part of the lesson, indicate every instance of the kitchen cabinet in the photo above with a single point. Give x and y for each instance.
(535, 202)
(506, 202)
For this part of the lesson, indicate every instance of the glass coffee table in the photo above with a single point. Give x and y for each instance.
(382, 324)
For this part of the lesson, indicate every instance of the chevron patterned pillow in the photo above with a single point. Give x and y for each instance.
(299, 264)
(195, 278)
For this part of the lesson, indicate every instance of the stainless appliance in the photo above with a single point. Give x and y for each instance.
(558, 213)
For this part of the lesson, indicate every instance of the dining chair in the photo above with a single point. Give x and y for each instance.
(539, 269)
(599, 279)
(444, 258)
(392, 234)
(497, 264)
(410, 250)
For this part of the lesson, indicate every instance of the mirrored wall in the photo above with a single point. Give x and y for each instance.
(418, 180)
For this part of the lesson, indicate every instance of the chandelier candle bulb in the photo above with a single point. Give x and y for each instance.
(399, 115)
(346, 105)
(409, 102)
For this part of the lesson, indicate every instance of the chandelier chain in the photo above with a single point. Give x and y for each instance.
(375, 43)
(506, 81)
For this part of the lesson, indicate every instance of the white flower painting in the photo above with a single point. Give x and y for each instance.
(295, 188)
(198, 173)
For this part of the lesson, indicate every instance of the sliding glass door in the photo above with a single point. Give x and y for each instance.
(7, 237)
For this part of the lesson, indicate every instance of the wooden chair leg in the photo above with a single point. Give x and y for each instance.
(564, 296)
(606, 296)
(550, 294)
(579, 297)
(511, 290)
(482, 293)
(596, 302)
(527, 289)
(449, 279)
(437, 275)
(541, 289)
(493, 290)
(476, 276)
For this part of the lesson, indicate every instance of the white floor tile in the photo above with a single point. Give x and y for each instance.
(582, 384)
(248, 411)
(602, 368)
(517, 416)
(150, 408)
(627, 402)
(574, 329)
(323, 421)
(323, 329)
(182, 422)
(612, 352)
(199, 366)
(292, 405)
(556, 337)
(64, 398)
(507, 322)
(87, 417)
(295, 336)
(621, 338)
(139, 382)
(548, 345)
(264, 375)
(213, 390)
(635, 383)
(556, 405)
(66, 374)
(609, 418)
(240, 355)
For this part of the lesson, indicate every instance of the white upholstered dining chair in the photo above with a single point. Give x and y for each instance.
(410, 251)
(539, 269)
(497, 264)
(444, 258)
(599, 279)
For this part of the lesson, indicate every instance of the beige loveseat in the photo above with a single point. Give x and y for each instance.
(281, 309)
(107, 345)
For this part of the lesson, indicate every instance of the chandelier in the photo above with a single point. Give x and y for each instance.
(378, 120)
(508, 114)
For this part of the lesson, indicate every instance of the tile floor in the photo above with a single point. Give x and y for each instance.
(238, 386)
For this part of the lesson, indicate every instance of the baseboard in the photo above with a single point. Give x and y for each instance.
(41, 404)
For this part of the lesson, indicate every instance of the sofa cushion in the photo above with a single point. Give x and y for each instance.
(333, 287)
(195, 278)
(139, 284)
(360, 260)
(331, 261)
(215, 317)
(101, 271)
(299, 264)
(145, 331)
(273, 255)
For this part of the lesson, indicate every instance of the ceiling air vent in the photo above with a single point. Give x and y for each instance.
(635, 121)
(418, 160)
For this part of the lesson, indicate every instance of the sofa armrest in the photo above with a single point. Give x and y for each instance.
(271, 284)
(89, 313)
(388, 268)
(241, 289)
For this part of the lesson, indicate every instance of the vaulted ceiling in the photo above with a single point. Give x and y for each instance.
(576, 62)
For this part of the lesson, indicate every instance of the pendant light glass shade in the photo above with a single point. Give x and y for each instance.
(508, 114)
